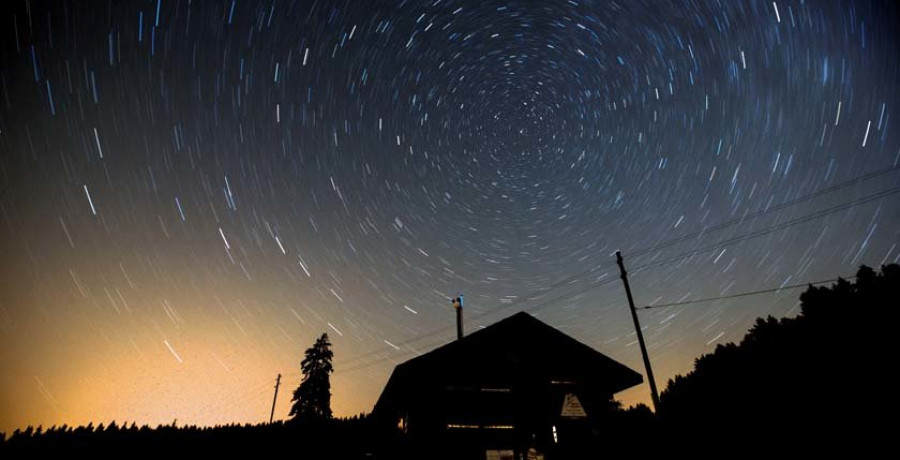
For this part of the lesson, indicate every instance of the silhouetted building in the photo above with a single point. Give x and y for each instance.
(514, 386)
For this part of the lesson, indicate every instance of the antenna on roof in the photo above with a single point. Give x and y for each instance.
(458, 306)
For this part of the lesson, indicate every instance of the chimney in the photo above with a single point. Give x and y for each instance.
(458, 306)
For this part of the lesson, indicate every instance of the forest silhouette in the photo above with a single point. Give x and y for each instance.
(814, 382)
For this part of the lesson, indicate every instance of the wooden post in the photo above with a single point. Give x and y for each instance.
(640, 335)
(277, 384)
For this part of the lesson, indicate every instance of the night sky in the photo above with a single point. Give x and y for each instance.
(192, 192)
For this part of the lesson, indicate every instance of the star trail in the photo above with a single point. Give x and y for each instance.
(192, 192)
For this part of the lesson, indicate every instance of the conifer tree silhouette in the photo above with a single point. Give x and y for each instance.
(312, 398)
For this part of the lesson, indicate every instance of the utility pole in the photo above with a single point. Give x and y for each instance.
(277, 384)
(637, 327)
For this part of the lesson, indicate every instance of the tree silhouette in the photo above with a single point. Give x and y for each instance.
(312, 398)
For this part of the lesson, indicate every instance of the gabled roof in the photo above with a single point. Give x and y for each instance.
(518, 350)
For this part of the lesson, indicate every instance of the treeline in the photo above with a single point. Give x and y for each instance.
(332, 438)
(821, 378)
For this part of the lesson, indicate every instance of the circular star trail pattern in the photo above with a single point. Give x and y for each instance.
(193, 191)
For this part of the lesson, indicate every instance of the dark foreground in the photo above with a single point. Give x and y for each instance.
(819, 383)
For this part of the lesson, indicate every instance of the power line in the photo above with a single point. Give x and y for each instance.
(775, 228)
(744, 294)
(767, 210)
